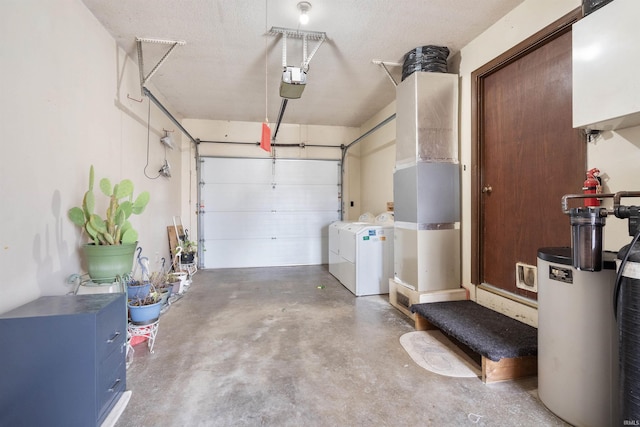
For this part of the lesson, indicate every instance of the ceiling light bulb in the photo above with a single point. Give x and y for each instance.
(304, 7)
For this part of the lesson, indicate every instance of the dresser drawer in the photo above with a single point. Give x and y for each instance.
(111, 328)
(111, 381)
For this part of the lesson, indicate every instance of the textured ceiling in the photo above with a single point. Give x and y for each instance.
(221, 72)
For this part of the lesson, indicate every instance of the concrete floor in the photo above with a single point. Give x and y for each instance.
(292, 347)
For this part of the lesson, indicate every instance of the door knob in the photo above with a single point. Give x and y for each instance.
(487, 189)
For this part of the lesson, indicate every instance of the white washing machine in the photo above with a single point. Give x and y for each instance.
(366, 252)
(336, 263)
(577, 340)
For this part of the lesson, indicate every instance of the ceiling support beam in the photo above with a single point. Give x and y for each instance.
(146, 92)
(299, 145)
(384, 64)
(299, 34)
(139, 40)
(283, 106)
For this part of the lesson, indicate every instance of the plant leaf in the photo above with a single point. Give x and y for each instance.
(129, 236)
(92, 232)
(120, 217)
(109, 238)
(141, 202)
(76, 215)
(91, 175)
(127, 208)
(105, 186)
(88, 204)
(126, 226)
(98, 223)
(124, 189)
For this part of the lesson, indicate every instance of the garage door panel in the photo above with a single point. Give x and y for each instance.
(258, 214)
(313, 173)
(236, 171)
(266, 252)
(300, 251)
(237, 226)
(226, 197)
(238, 253)
(261, 225)
(301, 224)
(306, 198)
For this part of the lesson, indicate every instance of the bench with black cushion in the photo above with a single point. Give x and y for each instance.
(508, 347)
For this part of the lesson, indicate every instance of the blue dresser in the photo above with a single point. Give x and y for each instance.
(62, 360)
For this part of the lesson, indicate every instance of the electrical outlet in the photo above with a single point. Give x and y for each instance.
(527, 277)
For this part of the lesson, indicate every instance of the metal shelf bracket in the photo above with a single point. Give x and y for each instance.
(139, 40)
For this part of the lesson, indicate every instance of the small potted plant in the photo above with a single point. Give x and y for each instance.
(188, 252)
(145, 310)
(113, 239)
(137, 289)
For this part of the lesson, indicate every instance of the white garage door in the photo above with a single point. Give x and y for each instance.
(260, 213)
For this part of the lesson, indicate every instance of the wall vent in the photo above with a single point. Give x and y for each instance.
(527, 277)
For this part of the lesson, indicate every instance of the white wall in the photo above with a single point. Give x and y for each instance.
(377, 163)
(64, 106)
(617, 155)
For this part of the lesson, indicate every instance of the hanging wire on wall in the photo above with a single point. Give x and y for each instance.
(266, 63)
(265, 140)
(165, 170)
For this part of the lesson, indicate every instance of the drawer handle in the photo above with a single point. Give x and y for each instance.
(113, 387)
(114, 337)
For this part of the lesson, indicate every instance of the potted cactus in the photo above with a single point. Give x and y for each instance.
(113, 239)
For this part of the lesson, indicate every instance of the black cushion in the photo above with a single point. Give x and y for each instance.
(487, 332)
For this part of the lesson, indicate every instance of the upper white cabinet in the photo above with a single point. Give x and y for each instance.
(606, 67)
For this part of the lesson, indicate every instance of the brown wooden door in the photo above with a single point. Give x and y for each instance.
(529, 156)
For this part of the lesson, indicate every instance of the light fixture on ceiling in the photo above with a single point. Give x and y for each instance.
(304, 7)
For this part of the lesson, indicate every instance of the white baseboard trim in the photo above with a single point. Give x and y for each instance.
(522, 309)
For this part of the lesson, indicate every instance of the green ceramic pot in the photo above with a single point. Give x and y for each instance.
(106, 262)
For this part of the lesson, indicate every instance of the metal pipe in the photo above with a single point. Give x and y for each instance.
(566, 197)
(384, 64)
(148, 93)
(370, 131)
(621, 194)
(199, 210)
(615, 196)
(301, 145)
(230, 142)
(389, 74)
(283, 106)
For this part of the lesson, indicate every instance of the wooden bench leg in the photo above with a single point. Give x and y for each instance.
(423, 324)
(508, 369)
